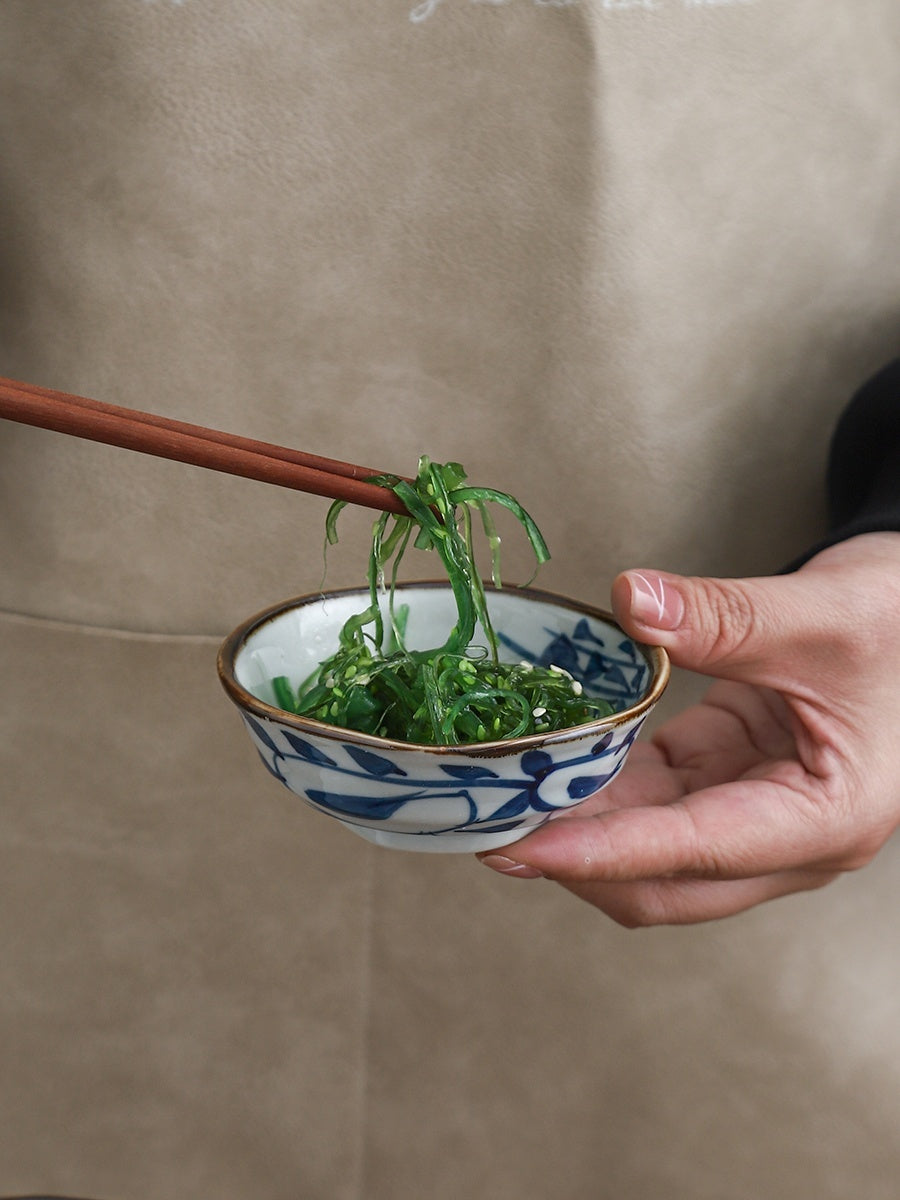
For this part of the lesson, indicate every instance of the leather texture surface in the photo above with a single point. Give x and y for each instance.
(626, 260)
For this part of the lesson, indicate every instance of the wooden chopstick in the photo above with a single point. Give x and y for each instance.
(196, 445)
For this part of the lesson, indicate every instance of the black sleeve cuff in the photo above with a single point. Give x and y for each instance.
(863, 478)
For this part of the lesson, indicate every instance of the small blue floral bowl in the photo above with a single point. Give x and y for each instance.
(443, 798)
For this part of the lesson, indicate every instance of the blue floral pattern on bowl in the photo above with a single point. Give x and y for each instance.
(365, 788)
(618, 674)
(463, 798)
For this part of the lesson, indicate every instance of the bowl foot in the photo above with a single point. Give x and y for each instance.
(440, 843)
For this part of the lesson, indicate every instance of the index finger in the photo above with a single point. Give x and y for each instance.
(736, 830)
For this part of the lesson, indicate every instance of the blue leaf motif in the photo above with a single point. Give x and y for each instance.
(512, 808)
(603, 745)
(633, 732)
(261, 733)
(358, 806)
(307, 751)
(536, 762)
(596, 665)
(586, 785)
(615, 677)
(561, 653)
(373, 764)
(470, 773)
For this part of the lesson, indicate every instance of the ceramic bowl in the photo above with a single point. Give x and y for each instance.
(440, 798)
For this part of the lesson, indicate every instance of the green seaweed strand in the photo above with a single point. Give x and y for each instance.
(457, 693)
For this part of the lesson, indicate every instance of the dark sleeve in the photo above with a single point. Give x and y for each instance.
(863, 477)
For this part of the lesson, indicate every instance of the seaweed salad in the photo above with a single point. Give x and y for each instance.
(455, 694)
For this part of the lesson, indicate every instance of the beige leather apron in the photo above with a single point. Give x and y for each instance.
(624, 258)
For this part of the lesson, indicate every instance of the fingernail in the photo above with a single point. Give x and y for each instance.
(506, 866)
(654, 601)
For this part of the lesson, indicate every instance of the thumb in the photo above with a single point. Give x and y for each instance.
(725, 627)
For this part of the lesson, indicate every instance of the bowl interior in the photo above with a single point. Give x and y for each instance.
(544, 629)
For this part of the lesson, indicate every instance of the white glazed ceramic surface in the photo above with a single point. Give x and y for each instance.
(439, 798)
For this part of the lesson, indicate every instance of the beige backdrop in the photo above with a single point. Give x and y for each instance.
(625, 259)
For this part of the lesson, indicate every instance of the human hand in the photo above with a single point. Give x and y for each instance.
(785, 775)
